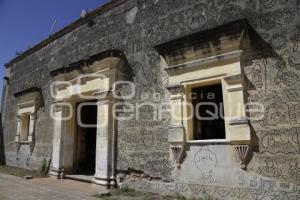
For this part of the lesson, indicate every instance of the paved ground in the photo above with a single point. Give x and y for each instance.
(15, 188)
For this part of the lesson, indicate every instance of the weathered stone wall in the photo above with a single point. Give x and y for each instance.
(2, 155)
(134, 28)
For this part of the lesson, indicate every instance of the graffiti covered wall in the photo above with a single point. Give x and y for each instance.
(135, 27)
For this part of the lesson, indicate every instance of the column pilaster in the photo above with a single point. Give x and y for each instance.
(59, 129)
(105, 144)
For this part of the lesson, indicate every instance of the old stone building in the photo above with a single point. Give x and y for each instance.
(138, 69)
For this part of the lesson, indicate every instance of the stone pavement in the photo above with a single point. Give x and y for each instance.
(15, 188)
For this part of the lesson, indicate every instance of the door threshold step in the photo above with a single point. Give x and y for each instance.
(81, 178)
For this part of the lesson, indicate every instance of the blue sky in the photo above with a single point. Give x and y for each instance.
(24, 23)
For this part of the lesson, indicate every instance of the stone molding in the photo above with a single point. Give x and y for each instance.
(189, 66)
(28, 102)
(110, 66)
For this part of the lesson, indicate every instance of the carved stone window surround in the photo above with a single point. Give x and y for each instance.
(198, 60)
(28, 102)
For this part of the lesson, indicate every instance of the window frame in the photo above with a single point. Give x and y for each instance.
(28, 102)
(228, 72)
(199, 58)
(190, 91)
(189, 85)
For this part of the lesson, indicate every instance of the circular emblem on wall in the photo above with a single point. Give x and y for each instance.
(205, 160)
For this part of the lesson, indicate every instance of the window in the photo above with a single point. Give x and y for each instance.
(198, 64)
(206, 79)
(28, 101)
(25, 119)
(208, 120)
(219, 83)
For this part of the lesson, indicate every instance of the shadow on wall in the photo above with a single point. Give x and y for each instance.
(2, 154)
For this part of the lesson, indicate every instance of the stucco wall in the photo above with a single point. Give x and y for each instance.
(134, 28)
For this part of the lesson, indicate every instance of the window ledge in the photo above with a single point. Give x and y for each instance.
(212, 141)
(24, 142)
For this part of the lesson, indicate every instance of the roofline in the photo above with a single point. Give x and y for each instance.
(26, 91)
(67, 29)
(231, 28)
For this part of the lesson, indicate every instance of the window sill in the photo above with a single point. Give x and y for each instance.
(212, 141)
(24, 142)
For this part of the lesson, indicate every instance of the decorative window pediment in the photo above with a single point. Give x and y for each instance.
(28, 102)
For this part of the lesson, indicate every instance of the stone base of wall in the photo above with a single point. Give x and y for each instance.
(264, 189)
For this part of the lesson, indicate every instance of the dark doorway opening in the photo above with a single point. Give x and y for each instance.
(86, 138)
(209, 123)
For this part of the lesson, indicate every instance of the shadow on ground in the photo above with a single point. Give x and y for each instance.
(130, 194)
